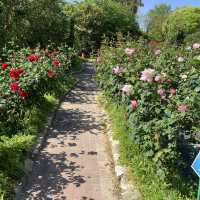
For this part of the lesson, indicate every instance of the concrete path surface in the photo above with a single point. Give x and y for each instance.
(75, 163)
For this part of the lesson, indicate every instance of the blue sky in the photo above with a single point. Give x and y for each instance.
(148, 4)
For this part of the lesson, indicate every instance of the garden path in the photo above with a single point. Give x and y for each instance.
(75, 162)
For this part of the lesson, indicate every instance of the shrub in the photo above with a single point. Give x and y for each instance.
(180, 23)
(100, 18)
(26, 76)
(192, 38)
(162, 106)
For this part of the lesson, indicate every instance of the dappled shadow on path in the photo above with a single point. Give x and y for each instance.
(58, 165)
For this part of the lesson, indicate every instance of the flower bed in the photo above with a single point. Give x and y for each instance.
(160, 89)
(25, 76)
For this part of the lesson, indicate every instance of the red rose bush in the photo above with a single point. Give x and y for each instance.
(25, 76)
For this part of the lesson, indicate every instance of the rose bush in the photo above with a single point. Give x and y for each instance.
(163, 107)
(25, 76)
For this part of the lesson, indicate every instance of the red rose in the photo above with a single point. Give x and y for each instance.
(23, 94)
(56, 62)
(14, 87)
(15, 73)
(4, 66)
(50, 73)
(32, 58)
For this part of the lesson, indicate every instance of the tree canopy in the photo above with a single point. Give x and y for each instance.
(155, 19)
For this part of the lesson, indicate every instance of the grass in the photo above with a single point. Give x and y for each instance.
(13, 150)
(141, 168)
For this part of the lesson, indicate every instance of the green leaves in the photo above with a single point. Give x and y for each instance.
(163, 125)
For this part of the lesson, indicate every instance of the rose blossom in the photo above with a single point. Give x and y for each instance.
(160, 92)
(56, 62)
(50, 73)
(134, 104)
(184, 76)
(158, 78)
(182, 108)
(196, 45)
(23, 94)
(172, 91)
(118, 71)
(148, 75)
(4, 66)
(130, 51)
(14, 87)
(157, 52)
(15, 73)
(127, 89)
(32, 58)
(180, 59)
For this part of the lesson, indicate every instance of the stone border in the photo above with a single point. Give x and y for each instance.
(41, 138)
(128, 190)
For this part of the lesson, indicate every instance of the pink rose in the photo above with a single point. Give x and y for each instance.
(157, 52)
(129, 51)
(158, 78)
(196, 45)
(160, 92)
(118, 71)
(172, 91)
(147, 75)
(182, 108)
(134, 104)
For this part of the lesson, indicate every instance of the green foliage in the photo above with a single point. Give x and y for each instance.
(143, 169)
(101, 18)
(180, 23)
(28, 22)
(192, 38)
(31, 80)
(162, 108)
(155, 19)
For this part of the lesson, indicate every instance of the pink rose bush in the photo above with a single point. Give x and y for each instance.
(166, 103)
(25, 77)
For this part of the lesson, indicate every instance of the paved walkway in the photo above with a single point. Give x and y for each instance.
(75, 163)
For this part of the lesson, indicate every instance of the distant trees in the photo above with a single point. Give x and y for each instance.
(132, 4)
(29, 22)
(181, 23)
(155, 19)
(94, 19)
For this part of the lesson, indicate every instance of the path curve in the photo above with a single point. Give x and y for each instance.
(75, 163)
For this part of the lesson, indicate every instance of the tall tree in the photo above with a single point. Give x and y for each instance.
(155, 19)
(133, 4)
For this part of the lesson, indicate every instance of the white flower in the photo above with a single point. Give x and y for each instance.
(184, 76)
(127, 90)
(181, 59)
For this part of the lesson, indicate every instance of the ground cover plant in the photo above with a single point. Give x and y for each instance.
(159, 86)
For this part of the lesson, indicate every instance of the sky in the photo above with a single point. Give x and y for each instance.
(148, 4)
